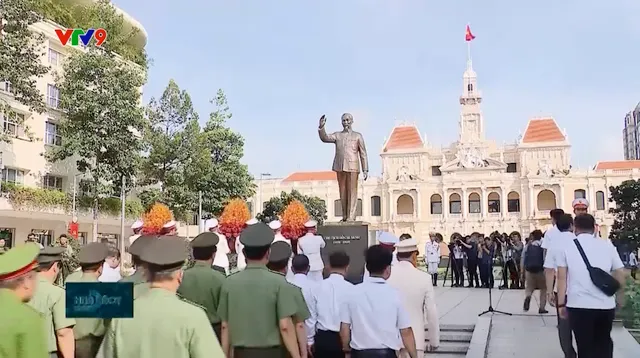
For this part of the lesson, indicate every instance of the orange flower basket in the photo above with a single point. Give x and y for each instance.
(233, 219)
(293, 219)
(155, 219)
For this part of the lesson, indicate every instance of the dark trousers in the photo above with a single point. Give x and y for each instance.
(87, 347)
(217, 328)
(267, 352)
(565, 335)
(634, 272)
(508, 271)
(458, 271)
(487, 268)
(374, 353)
(592, 329)
(472, 267)
(327, 344)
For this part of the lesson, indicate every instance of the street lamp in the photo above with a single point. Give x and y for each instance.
(262, 175)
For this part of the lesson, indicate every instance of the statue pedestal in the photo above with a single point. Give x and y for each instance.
(352, 238)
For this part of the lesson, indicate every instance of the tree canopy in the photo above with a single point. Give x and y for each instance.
(316, 207)
(626, 226)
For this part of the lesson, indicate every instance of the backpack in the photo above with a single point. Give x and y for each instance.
(534, 259)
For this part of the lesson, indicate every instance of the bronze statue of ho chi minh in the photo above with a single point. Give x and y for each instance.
(350, 152)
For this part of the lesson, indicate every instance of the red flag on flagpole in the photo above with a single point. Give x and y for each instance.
(468, 36)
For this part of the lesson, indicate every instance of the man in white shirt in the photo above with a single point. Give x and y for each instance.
(589, 310)
(300, 267)
(329, 296)
(388, 241)
(557, 238)
(311, 245)
(111, 267)
(432, 257)
(418, 297)
(374, 322)
(220, 260)
(276, 225)
(633, 264)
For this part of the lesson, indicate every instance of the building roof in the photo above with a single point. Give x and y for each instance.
(618, 165)
(542, 130)
(404, 136)
(310, 176)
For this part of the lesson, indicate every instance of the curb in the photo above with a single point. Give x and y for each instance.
(480, 338)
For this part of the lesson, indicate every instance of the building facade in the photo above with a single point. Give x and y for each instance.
(24, 164)
(631, 134)
(473, 185)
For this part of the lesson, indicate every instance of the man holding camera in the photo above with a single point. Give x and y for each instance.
(470, 247)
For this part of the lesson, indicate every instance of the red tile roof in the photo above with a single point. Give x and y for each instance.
(542, 130)
(404, 137)
(310, 176)
(618, 165)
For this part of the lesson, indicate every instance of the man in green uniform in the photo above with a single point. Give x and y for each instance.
(256, 306)
(24, 336)
(49, 300)
(279, 256)
(88, 332)
(162, 324)
(201, 284)
(139, 279)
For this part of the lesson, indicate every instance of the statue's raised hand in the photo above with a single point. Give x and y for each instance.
(322, 122)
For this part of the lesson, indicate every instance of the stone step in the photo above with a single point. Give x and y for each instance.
(449, 336)
(456, 327)
(452, 347)
(444, 355)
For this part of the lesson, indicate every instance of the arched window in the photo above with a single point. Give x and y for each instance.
(546, 200)
(436, 204)
(376, 209)
(470, 87)
(474, 203)
(404, 206)
(579, 194)
(493, 202)
(455, 204)
(513, 202)
(337, 208)
(599, 200)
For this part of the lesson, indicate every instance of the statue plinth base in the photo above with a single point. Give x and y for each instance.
(353, 238)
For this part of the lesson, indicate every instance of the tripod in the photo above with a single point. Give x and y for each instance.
(490, 309)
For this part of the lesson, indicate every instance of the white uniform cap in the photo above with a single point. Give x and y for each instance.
(211, 224)
(170, 224)
(388, 238)
(136, 225)
(311, 223)
(580, 202)
(408, 245)
(275, 224)
(252, 221)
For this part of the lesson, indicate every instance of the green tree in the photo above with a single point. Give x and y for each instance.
(101, 131)
(20, 53)
(626, 226)
(226, 177)
(316, 207)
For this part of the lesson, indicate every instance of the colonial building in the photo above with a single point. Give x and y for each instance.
(472, 185)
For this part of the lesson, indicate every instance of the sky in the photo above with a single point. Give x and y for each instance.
(284, 63)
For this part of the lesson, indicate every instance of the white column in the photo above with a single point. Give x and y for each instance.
(445, 202)
(524, 204)
(484, 203)
(531, 201)
(418, 204)
(561, 206)
(465, 203)
(503, 202)
(392, 206)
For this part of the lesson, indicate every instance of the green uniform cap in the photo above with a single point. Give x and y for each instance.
(206, 239)
(50, 254)
(93, 253)
(138, 246)
(280, 250)
(18, 261)
(165, 254)
(257, 235)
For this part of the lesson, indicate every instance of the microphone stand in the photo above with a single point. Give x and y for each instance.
(490, 309)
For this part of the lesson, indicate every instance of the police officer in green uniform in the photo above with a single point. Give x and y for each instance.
(139, 279)
(279, 256)
(24, 336)
(201, 283)
(49, 300)
(88, 332)
(256, 306)
(162, 325)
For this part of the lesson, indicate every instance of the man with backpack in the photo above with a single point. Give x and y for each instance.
(533, 266)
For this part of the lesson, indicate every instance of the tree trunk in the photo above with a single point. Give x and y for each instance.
(95, 219)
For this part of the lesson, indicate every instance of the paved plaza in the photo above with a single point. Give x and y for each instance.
(523, 335)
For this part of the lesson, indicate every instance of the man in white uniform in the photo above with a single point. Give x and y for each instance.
(417, 295)
(136, 227)
(170, 228)
(432, 257)
(300, 267)
(374, 322)
(276, 225)
(222, 248)
(311, 245)
(242, 262)
(388, 241)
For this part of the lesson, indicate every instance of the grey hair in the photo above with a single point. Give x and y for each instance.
(347, 116)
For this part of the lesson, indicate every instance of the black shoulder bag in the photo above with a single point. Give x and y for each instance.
(600, 278)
